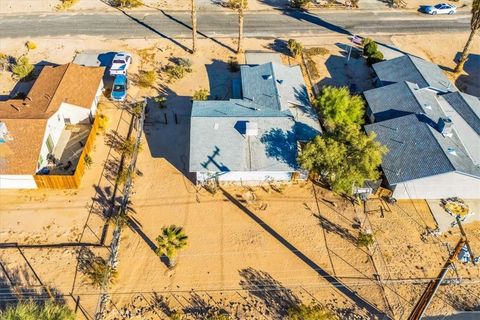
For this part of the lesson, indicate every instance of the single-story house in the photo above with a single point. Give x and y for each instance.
(433, 140)
(35, 131)
(412, 69)
(254, 138)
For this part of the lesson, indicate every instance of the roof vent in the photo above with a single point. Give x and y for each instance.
(429, 107)
(445, 126)
(452, 151)
(267, 77)
(251, 129)
(280, 81)
(215, 126)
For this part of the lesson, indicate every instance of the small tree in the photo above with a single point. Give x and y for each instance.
(370, 48)
(294, 47)
(30, 45)
(29, 309)
(338, 108)
(240, 6)
(374, 58)
(474, 27)
(22, 69)
(343, 158)
(311, 312)
(171, 240)
(200, 95)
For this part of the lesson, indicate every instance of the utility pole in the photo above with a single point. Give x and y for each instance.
(432, 287)
(472, 256)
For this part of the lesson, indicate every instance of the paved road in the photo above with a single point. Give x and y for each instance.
(275, 24)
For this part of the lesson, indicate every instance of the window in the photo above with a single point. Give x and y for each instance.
(40, 161)
(50, 144)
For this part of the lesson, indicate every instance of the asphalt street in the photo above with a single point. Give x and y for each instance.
(151, 24)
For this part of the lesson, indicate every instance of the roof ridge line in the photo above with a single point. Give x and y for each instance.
(58, 86)
(420, 72)
(277, 95)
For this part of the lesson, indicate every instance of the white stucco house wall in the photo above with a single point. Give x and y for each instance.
(62, 95)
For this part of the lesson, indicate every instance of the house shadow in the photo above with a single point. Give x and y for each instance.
(277, 298)
(470, 82)
(167, 129)
(220, 80)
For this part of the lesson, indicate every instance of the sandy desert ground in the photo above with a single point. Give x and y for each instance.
(251, 259)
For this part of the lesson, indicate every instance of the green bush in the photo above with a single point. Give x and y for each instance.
(374, 58)
(299, 3)
(161, 101)
(365, 239)
(146, 79)
(370, 48)
(200, 95)
(22, 69)
(366, 41)
(311, 312)
(294, 47)
(126, 3)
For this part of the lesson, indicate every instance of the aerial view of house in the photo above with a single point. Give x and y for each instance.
(239, 160)
(433, 136)
(44, 132)
(254, 138)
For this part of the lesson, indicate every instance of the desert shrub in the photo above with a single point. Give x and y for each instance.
(354, 3)
(299, 3)
(370, 48)
(312, 68)
(374, 58)
(366, 41)
(88, 161)
(315, 51)
(294, 47)
(185, 63)
(30, 45)
(310, 312)
(102, 122)
(233, 65)
(29, 309)
(161, 101)
(126, 3)
(22, 69)
(65, 4)
(200, 95)
(365, 239)
(146, 79)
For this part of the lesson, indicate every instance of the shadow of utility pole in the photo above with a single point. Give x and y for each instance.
(335, 282)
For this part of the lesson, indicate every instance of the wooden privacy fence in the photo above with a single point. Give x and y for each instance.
(69, 181)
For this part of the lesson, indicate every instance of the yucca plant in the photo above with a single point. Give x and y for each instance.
(100, 273)
(22, 69)
(171, 240)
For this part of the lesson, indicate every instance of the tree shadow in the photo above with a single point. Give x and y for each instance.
(281, 145)
(303, 15)
(276, 297)
(201, 308)
(279, 45)
(470, 82)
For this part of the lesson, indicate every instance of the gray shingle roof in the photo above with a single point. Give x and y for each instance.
(467, 106)
(418, 150)
(413, 69)
(400, 99)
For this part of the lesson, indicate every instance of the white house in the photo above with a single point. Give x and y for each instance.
(31, 129)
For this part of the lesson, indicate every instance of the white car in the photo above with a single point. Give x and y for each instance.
(442, 8)
(120, 64)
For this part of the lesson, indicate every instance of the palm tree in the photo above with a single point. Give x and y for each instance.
(194, 26)
(239, 5)
(474, 26)
(100, 273)
(171, 240)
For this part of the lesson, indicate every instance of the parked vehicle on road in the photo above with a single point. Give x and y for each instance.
(120, 63)
(119, 88)
(441, 8)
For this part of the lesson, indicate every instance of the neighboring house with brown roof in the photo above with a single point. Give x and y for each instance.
(34, 131)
